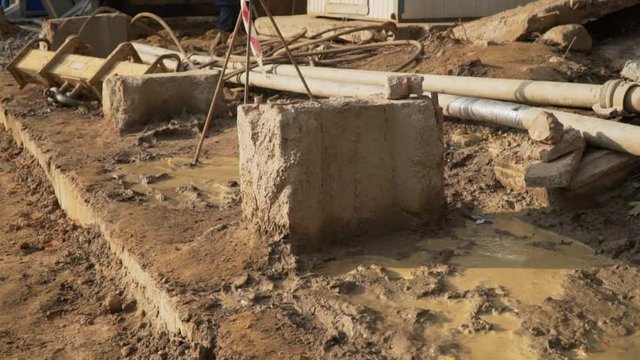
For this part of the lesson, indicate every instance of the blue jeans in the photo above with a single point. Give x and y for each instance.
(228, 17)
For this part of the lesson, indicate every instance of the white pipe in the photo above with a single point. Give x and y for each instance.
(625, 97)
(607, 134)
(619, 136)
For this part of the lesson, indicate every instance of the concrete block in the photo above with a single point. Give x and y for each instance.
(603, 169)
(572, 140)
(631, 70)
(554, 174)
(133, 101)
(104, 33)
(342, 168)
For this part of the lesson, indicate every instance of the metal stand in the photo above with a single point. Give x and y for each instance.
(217, 92)
(207, 123)
(248, 62)
(286, 48)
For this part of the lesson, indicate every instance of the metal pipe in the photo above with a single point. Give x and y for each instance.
(216, 93)
(604, 133)
(614, 95)
(607, 134)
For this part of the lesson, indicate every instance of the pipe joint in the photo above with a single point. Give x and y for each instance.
(617, 98)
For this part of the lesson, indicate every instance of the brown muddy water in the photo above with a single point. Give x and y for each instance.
(528, 264)
(175, 180)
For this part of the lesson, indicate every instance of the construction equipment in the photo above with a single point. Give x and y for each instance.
(73, 73)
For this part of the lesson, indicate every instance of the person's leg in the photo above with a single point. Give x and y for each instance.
(228, 17)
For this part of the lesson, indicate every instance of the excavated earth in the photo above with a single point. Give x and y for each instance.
(148, 260)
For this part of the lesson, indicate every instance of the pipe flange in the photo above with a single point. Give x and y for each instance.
(612, 97)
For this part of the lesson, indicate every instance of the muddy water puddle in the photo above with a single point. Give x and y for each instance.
(528, 264)
(174, 179)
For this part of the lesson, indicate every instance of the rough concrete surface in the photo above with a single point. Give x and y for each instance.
(537, 17)
(341, 168)
(554, 174)
(574, 37)
(133, 101)
(571, 140)
(103, 33)
(631, 70)
(603, 169)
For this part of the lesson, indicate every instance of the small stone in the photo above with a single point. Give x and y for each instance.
(240, 281)
(631, 70)
(128, 350)
(113, 303)
(232, 184)
(130, 306)
(564, 36)
(397, 87)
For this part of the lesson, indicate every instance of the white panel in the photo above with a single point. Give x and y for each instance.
(382, 9)
(316, 6)
(452, 9)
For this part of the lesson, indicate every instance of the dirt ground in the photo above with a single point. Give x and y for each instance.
(60, 292)
(524, 282)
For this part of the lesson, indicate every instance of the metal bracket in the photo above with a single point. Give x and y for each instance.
(11, 67)
(159, 63)
(67, 70)
(70, 46)
(124, 52)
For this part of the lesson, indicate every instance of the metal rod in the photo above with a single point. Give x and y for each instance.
(219, 86)
(248, 62)
(286, 47)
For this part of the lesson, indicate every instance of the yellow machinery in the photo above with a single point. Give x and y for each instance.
(72, 73)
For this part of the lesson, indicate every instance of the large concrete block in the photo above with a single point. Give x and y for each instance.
(133, 101)
(341, 168)
(103, 33)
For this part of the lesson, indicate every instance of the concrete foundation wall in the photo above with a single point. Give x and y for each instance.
(103, 33)
(340, 169)
(133, 101)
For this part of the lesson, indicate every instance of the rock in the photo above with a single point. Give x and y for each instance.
(402, 86)
(509, 170)
(572, 140)
(536, 17)
(555, 174)
(128, 350)
(162, 355)
(113, 303)
(546, 128)
(564, 36)
(631, 70)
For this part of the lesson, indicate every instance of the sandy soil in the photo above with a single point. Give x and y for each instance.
(60, 293)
